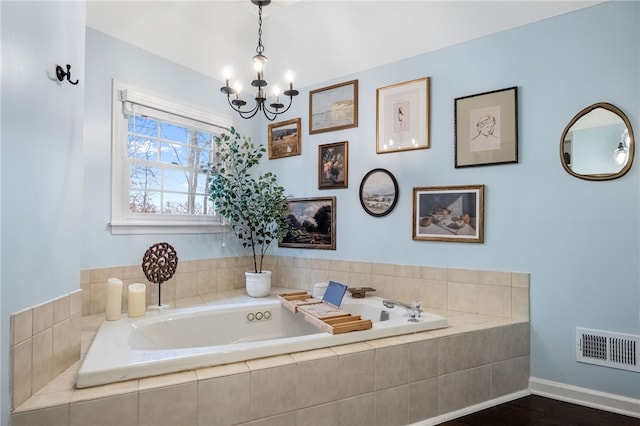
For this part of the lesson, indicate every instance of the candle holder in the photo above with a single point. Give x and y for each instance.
(159, 263)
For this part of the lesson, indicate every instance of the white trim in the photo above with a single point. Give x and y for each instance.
(587, 397)
(471, 409)
(122, 221)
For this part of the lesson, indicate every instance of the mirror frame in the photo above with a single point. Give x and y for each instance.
(599, 176)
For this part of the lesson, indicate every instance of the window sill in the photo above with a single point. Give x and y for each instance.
(155, 227)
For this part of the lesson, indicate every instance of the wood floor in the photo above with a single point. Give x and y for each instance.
(535, 410)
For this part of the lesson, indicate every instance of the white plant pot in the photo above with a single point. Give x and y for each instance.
(258, 285)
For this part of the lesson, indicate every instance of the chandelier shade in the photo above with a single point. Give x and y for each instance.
(273, 109)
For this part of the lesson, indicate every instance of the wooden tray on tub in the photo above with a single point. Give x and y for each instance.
(323, 315)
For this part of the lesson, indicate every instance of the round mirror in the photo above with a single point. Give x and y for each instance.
(597, 144)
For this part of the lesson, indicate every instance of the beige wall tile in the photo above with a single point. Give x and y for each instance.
(61, 309)
(173, 379)
(452, 392)
(61, 346)
(42, 317)
(434, 294)
(186, 284)
(462, 297)
(478, 348)
(407, 289)
(494, 300)
(85, 275)
(98, 300)
(42, 357)
(75, 303)
(320, 264)
(103, 274)
(113, 411)
(360, 267)
(494, 278)
(301, 262)
(423, 400)
(224, 400)
(520, 279)
(478, 385)
(320, 415)
(423, 359)
(21, 364)
(75, 337)
(339, 276)
(386, 269)
(392, 406)
(357, 411)
(336, 265)
(356, 373)
(21, 326)
(357, 279)
(407, 271)
(431, 273)
(273, 391)
(318, 275)
(104, 391)
(511, 341)
(520, 303)
(509, 376)
(206, 282)
(392, 366)
(463, 275)
(169, 406)
(317, 382)
(451, 355)
(49, 416)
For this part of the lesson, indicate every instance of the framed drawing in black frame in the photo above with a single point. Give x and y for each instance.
(449, 213)
(312, 223)
(333, 107)
(378, 192)
(486, 128)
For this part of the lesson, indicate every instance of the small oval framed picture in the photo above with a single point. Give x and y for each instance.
(378, 192)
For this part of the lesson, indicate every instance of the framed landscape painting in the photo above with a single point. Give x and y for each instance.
(333, 107)
(312, 223)
(449, 213)
(284, 139)
(378, 192)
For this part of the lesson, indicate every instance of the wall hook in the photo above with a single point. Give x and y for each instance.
(61, 74)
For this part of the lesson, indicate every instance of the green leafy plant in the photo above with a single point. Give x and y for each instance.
(255, 206)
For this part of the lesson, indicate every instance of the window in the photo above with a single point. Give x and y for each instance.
(161, 148)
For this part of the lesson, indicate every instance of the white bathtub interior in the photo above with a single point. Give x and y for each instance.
(182, 339)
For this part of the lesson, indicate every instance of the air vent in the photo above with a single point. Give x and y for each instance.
(615, 350)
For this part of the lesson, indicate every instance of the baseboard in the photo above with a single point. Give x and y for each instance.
(471, 409)
(587, 397)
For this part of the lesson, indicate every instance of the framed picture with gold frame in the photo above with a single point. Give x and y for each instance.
(312, 223)
(449, 213)
(402, 116)
(333, 165)
(333, 107)
(284, 139)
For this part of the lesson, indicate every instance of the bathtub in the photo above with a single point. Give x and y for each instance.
(182, 339)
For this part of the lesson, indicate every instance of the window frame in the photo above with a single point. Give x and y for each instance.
(123, 221)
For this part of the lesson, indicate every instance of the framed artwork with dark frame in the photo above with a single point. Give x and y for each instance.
(333, 107)
(312, 223)
(378, 192)
(486, 128)
(402, 116)
(333, 165)
(449, 213)
(284, 139)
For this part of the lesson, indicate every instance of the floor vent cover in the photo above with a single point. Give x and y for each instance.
(609, 349)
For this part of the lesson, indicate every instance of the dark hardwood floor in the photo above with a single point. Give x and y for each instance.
(535, 410)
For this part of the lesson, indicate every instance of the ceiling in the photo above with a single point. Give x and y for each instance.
(318, 40)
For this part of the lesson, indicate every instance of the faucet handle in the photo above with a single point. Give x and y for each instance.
(417, 305)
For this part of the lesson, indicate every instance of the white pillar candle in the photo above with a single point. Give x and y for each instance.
(137, 300)
(114, 299)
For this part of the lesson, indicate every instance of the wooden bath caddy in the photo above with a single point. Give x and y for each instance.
(322, 314)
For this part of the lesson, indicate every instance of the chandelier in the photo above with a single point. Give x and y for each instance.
(272, 110)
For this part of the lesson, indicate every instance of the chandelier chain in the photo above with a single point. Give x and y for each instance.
(260, 47)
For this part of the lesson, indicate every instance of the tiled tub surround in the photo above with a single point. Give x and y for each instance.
(482, 355)
(45, 341)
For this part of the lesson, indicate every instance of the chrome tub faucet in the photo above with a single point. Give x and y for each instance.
(415, 309)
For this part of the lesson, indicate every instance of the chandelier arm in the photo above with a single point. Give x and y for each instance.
(244, 114)
(277, 112)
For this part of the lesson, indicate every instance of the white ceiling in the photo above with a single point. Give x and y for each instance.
(318, 40)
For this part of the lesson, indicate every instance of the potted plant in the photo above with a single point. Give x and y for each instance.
(255, 206)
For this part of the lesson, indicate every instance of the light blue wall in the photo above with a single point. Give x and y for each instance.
(578, 239)
(41, 151)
